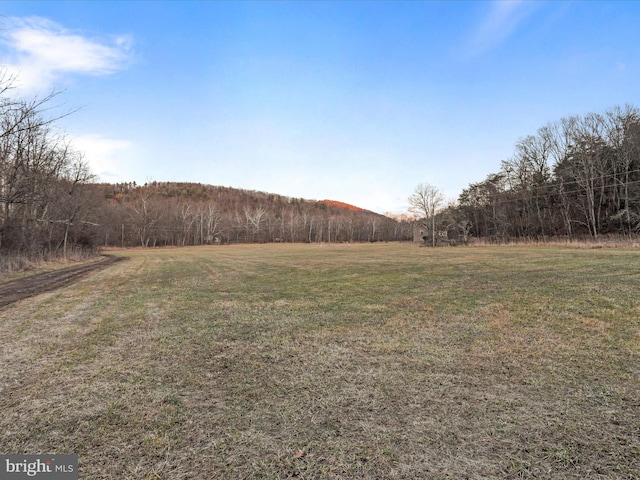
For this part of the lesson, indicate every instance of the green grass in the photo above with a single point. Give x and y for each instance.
(301, 361)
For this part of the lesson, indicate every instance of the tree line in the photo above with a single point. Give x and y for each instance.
(579, 176)
(42, 178)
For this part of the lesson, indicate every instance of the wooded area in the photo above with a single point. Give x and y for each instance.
(579, 176)
(43, 181)
(161, 214)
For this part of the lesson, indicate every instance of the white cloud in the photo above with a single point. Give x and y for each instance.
(38, 52)
(103, 155)
(504, 18)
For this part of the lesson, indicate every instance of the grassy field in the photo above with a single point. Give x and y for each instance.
(305, 361)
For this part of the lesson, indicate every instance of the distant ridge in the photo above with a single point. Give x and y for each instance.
(201, 191)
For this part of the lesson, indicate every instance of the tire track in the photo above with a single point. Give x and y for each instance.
(22, 288)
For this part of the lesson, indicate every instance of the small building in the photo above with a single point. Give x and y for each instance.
(422, 236)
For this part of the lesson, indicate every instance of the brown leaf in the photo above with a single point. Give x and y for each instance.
(299, 454)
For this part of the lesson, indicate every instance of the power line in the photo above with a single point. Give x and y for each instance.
(555, 192)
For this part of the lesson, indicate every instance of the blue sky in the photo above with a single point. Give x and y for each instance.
(348, 100)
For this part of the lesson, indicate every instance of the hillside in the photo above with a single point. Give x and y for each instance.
(180, 213)
(199, 191)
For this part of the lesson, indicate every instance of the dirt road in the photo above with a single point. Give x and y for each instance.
(43, 282)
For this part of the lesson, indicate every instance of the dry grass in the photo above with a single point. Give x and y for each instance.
(370, 361)
(602, 241)
(16, 265)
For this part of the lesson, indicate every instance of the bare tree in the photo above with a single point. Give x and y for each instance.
(424, 203)
(255, 217)
(145, 214)
(71, 197)
(186, 217)
(623, 135)
(35, 160)
(213, 220)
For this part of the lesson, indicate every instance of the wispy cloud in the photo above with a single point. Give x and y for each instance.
(38, 52)
(502, 21)
(102, 154)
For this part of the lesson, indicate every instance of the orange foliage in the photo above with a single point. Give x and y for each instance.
(346, 206)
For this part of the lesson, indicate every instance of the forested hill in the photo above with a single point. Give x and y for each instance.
(172, 213)
(226, 195)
